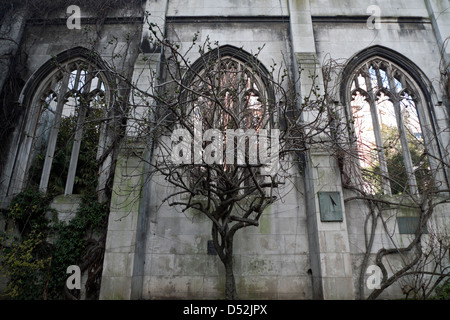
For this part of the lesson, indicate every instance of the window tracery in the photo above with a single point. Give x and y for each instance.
(69, 135)
(385, 105)
(230, 97)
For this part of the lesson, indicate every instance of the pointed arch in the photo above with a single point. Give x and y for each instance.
(238, 54)
(76, 79)
(391, 83)
(229, 91)
(391, 55)
(40, 74)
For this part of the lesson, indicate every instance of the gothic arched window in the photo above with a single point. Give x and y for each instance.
(65, 139)
(387, 110)
(226, 100)
(229, 95)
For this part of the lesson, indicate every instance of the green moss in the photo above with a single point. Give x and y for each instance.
(264, 224)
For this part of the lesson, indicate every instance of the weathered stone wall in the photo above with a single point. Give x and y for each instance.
(292, 254)
(154, 251)
(271, 261)
(116, 40)
(409, 31)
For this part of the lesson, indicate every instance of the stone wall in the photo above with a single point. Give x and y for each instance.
(271, 261)
(154, 251)
(292, 254)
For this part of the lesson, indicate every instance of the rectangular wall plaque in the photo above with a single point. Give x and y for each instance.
(211, 249)
(330, 207)
(409, 225)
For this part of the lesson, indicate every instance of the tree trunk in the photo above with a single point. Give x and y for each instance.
(225, 253)
(230, 284)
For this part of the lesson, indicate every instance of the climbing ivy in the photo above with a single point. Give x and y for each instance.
(73, 240)
(443, 291)
(36, 260)
(26, 266)
(30, 210)
(37, 248)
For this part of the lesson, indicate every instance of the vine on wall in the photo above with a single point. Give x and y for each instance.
(36, 258)
(36, 248)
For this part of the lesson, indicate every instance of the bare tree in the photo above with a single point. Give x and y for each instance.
(224, 133)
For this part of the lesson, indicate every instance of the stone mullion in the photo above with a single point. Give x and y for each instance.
(407, 160)
(378, 138)
(402, 132)
(54, 134)
(78, 137)
(76, 149)
(405, 150)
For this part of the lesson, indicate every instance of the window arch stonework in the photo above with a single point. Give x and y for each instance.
(391, 123)
(65, 130)
(228, 92)
(232, 97)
